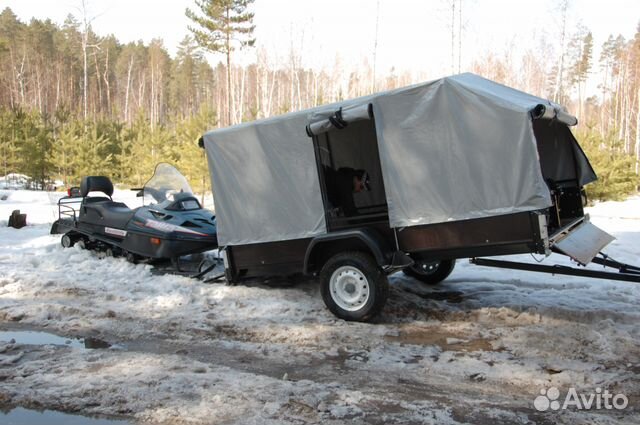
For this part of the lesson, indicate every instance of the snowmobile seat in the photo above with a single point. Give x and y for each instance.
(94, 199)
(96, 184)
(109, 213)
(99, 209)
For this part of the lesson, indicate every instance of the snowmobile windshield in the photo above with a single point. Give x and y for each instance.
(165, 183)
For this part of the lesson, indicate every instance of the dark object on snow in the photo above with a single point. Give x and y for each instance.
(17, 220)
(175, 225)
(4, 197)
(93, 343)
(74, 192)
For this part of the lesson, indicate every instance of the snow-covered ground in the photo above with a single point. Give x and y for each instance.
(478, 348)
(14, 181)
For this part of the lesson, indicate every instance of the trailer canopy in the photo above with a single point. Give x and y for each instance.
(457, 148)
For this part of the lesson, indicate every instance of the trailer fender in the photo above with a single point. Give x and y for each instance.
(321, 248)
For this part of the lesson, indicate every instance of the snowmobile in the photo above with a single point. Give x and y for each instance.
(173, 225)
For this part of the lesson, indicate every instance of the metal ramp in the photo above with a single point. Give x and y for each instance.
(581, 242)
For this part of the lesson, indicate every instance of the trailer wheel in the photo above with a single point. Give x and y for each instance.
(353, 287)
(430, 272)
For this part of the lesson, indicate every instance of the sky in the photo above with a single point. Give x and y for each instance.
(413, 35)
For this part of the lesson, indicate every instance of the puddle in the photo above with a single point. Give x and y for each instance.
(443, 339)
(46, 338)
(22, 416)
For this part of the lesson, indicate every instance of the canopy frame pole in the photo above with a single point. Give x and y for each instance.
(395, 234)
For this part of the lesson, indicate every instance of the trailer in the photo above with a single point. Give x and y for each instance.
(460, 167)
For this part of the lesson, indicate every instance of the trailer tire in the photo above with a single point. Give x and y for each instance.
(430, 272)
(353, 287)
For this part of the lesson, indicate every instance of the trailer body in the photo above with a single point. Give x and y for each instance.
(459, 167)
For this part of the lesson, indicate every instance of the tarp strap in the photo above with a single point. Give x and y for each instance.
(337, 121)
(340, 119)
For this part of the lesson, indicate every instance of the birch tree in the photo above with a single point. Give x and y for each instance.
(86, 21)
(563, 8)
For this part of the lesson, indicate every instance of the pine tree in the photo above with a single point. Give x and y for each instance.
(91, 155)
(190, 158)
(614, 167)
(34, 133)
(8, 149)
(11, 35)
(62, 156)
(185, 83)
(580, 53)
(221, 27)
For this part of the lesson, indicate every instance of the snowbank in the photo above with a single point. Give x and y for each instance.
(477, 348)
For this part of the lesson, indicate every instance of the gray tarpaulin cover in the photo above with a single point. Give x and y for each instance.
(457, 148)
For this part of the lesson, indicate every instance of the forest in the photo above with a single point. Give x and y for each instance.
(74, 103)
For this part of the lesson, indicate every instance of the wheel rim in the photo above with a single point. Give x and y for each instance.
(426, 268)
(349, 288)
(66, 241)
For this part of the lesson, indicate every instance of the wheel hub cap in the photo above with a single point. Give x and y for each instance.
(427, 267)
(349, 288)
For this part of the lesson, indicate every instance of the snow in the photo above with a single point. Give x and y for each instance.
(477, 348)
(14, 181)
